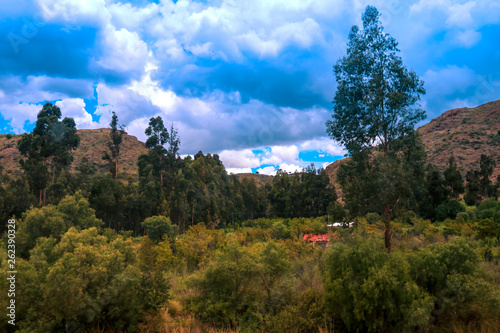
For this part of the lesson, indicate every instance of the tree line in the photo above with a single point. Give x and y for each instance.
(198, 189)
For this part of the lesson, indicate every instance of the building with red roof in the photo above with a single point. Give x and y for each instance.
(322, 239)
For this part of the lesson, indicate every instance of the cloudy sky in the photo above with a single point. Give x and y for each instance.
(249, 80)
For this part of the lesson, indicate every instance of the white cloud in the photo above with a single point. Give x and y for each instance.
(460, 14)
(78, 12)
(21, 100)
(75, 108)
(238, 170)
(239, 159)
(290, 168)
(123, 50)
(286, 153)
(125, 15)
(323, 144)
(269, 170)
(19, 113)
(127, 103)
(468, 38)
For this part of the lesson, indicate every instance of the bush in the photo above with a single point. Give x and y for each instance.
(372, 218)
(450, 209)
(54, 221)
(79, 282)
(157, 227)
(371, 291)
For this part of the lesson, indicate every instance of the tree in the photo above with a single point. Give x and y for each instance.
(116, 138)
(479, 183)
(453, 178)
(157, 138)
(157, 227)
(376, 95)
(376, 103)
(48, 148)
(486, 166)
(473, 188)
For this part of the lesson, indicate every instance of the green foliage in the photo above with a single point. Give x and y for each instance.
(47, 149)
(79, 282)
(54, 221)
(368, 290)
(450, 272)
(386, 184)
(232, 287)
(479, 184)
(116, 138)
(450, 209)
(305, 194)
(154, 261)
(227, 295)
(157, 227)
(373, 217)
(431, 266)
(436, 193)
(197, 245)
(473, 188)
(453, 178)
(375, 94)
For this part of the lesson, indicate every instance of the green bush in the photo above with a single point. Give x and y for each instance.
(372, 217)
(450, 209)
(371, 291)
(157, 227)
(79, 282)
(463, 215)
(54, 221)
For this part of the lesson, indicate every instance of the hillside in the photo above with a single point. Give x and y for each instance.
(93, 143)
(465, 133)
(260, 180)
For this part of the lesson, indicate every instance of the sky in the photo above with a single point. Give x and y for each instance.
(249, 80)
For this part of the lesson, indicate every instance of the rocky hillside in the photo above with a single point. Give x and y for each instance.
(93, 143)
(466, 133)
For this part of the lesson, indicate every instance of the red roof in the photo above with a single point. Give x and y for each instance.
(316, 238)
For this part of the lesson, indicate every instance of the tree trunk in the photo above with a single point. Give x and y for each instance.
(40, 202)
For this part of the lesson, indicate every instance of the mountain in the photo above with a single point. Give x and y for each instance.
(465, 133)
(93, 143)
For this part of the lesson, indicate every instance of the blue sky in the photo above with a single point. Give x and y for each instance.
(250, 80)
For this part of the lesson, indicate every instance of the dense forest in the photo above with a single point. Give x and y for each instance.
(188, 248)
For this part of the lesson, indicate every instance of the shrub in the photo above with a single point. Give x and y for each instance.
(450, 209)
(81, 281)
(372, 217)
(157, 227)
(371, 291)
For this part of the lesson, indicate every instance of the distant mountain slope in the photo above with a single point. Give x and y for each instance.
(260, 180)
(93, 143)
(465, 132)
